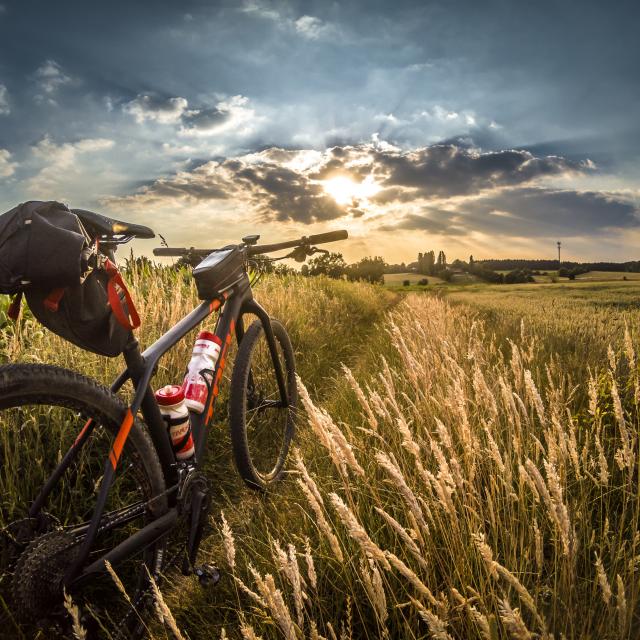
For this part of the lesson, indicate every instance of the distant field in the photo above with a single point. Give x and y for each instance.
(397, 279)
(604, 276)
(413, 278)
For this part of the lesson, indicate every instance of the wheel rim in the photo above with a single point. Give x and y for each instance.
(268, 425)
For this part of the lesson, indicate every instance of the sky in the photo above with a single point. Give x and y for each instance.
(491, 128)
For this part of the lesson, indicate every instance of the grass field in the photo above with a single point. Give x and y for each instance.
(471, 473)
(397, 279)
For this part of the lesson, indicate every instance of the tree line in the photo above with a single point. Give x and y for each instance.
(333, 265)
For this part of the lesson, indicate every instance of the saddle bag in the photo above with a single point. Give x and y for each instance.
(70, 286)
(43, 243)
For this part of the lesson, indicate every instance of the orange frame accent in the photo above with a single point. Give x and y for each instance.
(87, 424)
(121, 438)
(223, 361)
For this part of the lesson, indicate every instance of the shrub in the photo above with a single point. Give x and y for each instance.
(406, 283)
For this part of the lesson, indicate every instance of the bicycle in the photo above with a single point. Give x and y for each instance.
(118, 493)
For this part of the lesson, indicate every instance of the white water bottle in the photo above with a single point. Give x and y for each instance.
(196, 385)
(176, 415)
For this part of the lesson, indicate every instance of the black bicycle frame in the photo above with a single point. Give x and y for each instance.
(233, 304)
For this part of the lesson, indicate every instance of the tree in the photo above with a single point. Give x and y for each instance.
(370, 269)
(429, 262)
(328, 264)
(471, 262)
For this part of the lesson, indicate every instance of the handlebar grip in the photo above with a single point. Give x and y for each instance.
(169, 251)
(331, 236)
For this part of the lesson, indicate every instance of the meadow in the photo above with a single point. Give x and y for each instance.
(466, 466)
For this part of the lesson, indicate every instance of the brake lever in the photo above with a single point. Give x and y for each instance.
(301, 253)
(313, 250)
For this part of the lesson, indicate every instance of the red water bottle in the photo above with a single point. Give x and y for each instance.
(176, 414)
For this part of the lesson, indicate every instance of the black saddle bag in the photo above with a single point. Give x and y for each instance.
(43, 243)
(70, 287)
(83, 315)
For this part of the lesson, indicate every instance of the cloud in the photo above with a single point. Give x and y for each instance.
(231, 114)
(271, 190)
(7, 168)
(313, 28)
(527, 212)
(61, 162)
(306, 26)
(287, 185)
(285, 194)
(261, 10)
(163, 110)
(51, 77)
(227, 114)
(5, 109)
(441, 171)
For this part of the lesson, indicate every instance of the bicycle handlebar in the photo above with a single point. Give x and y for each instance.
(331, 236)
(175, 251)
(319, 238)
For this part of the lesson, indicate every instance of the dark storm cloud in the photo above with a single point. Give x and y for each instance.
(279, 191)
(274, 192)
(448, 170)
(528, 212)
(433, 221)
(285, 194)
(441, 171)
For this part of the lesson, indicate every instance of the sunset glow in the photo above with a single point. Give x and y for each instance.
(345, 191)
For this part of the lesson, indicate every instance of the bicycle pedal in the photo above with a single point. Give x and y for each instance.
(208, 575)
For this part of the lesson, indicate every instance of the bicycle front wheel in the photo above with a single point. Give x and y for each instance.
(262, 427)
(42, 411)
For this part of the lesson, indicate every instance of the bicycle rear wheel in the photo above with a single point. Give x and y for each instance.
(261, 427)
(42, 410)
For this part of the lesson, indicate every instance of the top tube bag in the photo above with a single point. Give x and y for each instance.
(70, 287)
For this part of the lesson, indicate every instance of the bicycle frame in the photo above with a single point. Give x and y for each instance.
(233, 304)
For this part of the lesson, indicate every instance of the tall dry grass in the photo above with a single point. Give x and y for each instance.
(470, 496)
(465, 475)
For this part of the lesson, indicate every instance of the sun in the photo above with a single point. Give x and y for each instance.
(345, 190)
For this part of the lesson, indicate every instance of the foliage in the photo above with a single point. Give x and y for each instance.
(370, 269)
(571, 273)
(518, 276)
(328, 264)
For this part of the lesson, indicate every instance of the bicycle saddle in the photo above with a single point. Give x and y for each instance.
(103, 226)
